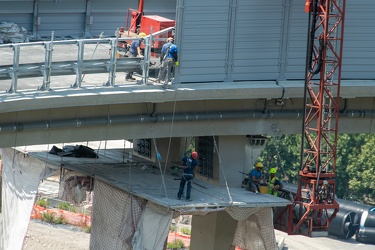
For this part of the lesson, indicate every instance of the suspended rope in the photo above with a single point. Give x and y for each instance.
(15, 145)
(170, 132)
(373, 103)
(158, 156)
(275, 127)
(219, 157)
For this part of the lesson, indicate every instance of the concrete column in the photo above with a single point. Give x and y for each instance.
(237, 154)
(171, 148)
(213, 231)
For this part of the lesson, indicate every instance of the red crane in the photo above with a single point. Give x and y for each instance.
(315, 203)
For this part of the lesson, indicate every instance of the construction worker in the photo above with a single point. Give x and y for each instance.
(190, 166)
(274, 184)
(169, 59)
(255, 178)
(134, 51)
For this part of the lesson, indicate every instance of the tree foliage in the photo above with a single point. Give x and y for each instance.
(355, 165)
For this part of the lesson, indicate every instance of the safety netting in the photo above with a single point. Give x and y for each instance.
(255, 228)
(120, 220)
(20, 179)
(123, 221)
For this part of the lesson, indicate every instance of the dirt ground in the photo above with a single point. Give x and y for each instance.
(41, 235)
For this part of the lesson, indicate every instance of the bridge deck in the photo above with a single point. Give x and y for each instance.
(144, 179)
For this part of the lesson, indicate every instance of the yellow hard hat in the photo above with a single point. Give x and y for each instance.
(259, 165)
(170, 39)
(142, 34)
(273, 171)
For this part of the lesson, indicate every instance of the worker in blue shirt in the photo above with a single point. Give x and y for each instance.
(190, 166)
(255, 178)
(134, 51)
(169, 59)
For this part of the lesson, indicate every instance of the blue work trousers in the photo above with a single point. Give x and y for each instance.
(185, 178)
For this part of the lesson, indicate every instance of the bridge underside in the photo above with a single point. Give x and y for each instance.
(135, 111)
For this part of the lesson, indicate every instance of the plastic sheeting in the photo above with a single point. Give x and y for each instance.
(21, 178)
(153, 228)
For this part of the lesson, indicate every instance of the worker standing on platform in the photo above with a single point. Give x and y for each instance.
(255, 178)
(190, 166)
(274, 184)
(169, 59)
(134, 51)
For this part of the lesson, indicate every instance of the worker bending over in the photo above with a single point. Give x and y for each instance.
(255, 178)
(274, 184)
(134, 51)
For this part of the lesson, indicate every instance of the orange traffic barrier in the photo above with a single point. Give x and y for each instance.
(37, 211)
(71, 218)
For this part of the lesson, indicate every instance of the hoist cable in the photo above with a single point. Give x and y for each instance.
(219, 157)
(162, 173)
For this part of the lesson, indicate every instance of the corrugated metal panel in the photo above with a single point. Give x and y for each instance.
(68, 17)
(19, 12)
(219, 40)
(202, 36)
(108, 17)
(257, 40)
(359, 49)
(297, 41)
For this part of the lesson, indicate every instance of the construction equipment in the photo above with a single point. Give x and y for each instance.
(137, 22)
(315, 202)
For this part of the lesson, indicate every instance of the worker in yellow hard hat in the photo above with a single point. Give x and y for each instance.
(134, 51)
(255, 178)
(274, 184)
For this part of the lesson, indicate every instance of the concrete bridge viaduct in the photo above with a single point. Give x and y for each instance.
(244, 81)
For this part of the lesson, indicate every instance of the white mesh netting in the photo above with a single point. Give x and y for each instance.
(255, 232)
(21, 178)
(126, 222)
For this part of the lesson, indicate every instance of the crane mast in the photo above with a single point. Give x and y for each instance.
(315, 202)
(314, 205)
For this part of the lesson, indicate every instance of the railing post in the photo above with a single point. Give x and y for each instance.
(146, 59)
(47, 64)
(14, 70)
(78, 65)
(113, 61)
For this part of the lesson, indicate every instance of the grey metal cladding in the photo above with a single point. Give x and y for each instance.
(359, 37)
(219, 40)
(296, 39)
(204, 35)
(257, 39)
(19, 12)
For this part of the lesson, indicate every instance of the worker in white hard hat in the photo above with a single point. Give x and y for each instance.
(134, 51)
(255, 178)
(168, 59)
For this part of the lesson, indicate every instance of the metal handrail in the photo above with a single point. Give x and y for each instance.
(80, 66)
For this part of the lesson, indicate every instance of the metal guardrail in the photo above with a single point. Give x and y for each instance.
(80, 66)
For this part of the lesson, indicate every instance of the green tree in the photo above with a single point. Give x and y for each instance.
(284, 153)
(355, 165)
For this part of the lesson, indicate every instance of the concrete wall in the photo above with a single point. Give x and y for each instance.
(212, 231)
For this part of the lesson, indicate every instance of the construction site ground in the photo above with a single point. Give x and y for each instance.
(46, 236)
(42, 235)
